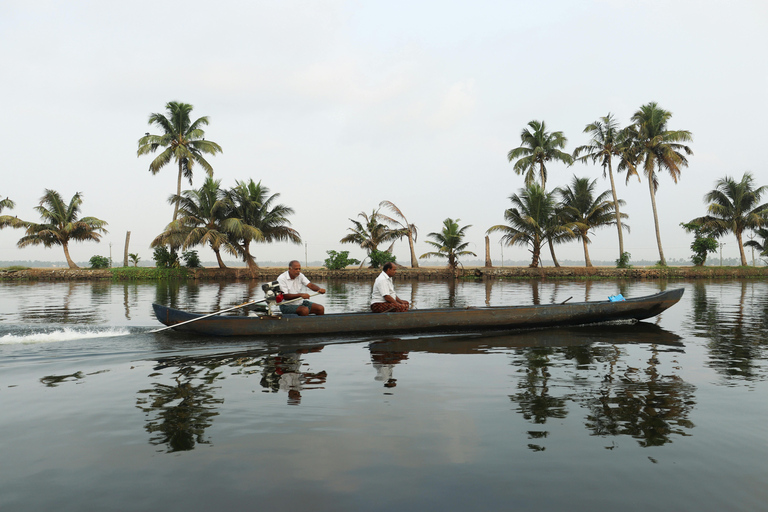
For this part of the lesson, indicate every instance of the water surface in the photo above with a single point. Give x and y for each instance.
(100, 414)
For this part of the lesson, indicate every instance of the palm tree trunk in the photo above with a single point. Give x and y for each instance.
(616, 209)
(178, 193)
(662, 261)
(536, 253)
(66, 255)
(741, 250)
(217, 252)
(414, 259)
(587, 261)
(552, 250)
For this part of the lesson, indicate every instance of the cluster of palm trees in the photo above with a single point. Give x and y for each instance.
(228, 220)
(647, 145)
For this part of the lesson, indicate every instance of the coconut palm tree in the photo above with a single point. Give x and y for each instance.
(537, 148)
(62, 224)
(656, 148)
(529, 220)
(372, 232)
(761, 244)
(9, 220)
(585, 212)
(202, 220)
(183, 140)
(449, 243)
(407, 228)
(608, 141)
(734, 206)
(256, 218)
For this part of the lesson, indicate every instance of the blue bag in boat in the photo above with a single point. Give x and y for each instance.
(616, 298)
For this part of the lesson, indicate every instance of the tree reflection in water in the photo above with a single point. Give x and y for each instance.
(735, 331)
(179, 413)
(644, 404)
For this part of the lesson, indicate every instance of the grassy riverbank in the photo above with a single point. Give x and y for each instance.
(428, 273)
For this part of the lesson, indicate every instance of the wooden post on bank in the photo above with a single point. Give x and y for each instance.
(125, 253)
(488, 261)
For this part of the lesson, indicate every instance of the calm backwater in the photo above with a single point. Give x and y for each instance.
(98, 414)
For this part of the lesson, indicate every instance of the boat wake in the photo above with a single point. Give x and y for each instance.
(61, 334)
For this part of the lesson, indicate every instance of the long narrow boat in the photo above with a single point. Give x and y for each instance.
(424, 320)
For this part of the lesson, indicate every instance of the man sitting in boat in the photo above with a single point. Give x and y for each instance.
(293, 283)
(383, 297)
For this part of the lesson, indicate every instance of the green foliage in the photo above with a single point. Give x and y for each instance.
(191, 260)
(339, 260)
(99, 262)
(703, 242)
(623, 261)
(165, 258)
(134, 258)
(379, 258)
(147, 273)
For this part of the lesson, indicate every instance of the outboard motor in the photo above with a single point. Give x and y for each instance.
(273, 295)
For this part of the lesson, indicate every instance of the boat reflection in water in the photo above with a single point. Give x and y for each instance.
(642, 403)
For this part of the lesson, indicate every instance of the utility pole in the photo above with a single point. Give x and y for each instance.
(721, 253)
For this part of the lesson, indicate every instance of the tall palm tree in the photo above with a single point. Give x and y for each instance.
(528, 220)
(536, 149)
(609, 141)
(62, 224)
(449, 243)
(256, 218)
(657, 148)
(585, 212)
(734, 206)
(9, 220)
(370, 233)
(203, 216)
(407, 228)
(183, 140)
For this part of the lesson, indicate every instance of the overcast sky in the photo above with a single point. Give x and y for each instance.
(338, 105)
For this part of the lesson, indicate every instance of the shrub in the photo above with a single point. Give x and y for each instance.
(191, 260)
(339, 260)
(623, 261)
(165, 258)
(99, 262)
(134, 257)
(379, 258)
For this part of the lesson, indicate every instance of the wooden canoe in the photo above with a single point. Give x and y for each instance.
(425, 320)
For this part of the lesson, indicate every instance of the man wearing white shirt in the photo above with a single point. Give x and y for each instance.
(383, 296)
(292, 283)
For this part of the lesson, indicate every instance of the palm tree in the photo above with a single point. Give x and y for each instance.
(762, 245)
(408, 229)
(370, 233)
(538, 147)
(656, 148)
(203, 216)
(528, 220)
(255, 218)
(449, 243)
(183, 140)
(584, 212)
(9, 220)
(62, 224)
(608, 141)
(734, 206)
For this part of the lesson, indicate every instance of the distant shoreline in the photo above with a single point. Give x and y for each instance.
(425, 273)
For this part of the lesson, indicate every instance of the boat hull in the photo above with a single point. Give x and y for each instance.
(424, 320)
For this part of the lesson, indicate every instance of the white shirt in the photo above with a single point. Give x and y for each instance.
(381, 287)
(292, 286)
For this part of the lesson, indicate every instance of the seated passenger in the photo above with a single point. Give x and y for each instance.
(383, 297)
